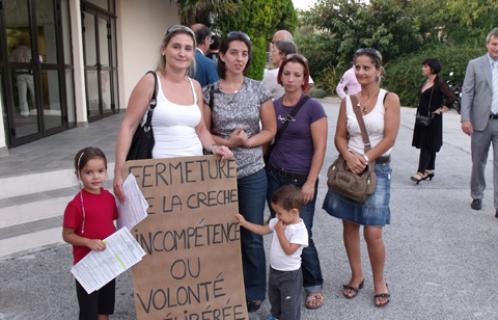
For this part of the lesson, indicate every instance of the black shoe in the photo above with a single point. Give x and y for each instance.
(429, 175)
(476, 204)
(253, 305)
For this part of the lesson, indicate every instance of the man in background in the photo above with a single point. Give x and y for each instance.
(24, 77)
(205, 68)
(480, 117)
(285, 35)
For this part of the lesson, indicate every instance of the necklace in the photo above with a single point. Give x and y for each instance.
(367, 104)
(230, 89)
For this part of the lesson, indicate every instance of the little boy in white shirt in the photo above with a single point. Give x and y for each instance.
(289, 238)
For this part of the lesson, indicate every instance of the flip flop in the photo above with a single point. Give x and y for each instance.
(314, 300)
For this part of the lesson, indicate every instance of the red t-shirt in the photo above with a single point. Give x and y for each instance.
(100, 212)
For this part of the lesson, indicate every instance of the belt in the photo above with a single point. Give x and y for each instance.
(286, 173)
(383, 160)
(493, 116)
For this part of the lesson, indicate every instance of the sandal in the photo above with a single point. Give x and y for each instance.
(418, 177)
(352, 289)
(386, 296)
(314, 300)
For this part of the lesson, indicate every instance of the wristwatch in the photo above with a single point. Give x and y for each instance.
(366, 158)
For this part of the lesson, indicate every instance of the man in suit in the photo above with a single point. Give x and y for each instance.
(480, 117)
(205, 68)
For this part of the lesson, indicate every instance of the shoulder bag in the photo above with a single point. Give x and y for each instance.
(346, 183)
(143, 139)
(422, 119)
(290, 116)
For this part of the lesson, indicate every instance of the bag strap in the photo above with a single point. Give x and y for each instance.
(290, 116)
(211, 97)
(152, 102)
(364, 134)
(430, 102)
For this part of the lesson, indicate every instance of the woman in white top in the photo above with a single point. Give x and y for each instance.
(177, 119)
(381, 114)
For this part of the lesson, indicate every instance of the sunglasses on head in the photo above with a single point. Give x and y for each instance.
(179, 27)
(370, 51)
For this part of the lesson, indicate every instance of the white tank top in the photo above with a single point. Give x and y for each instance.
(174, 127)
(374, 122)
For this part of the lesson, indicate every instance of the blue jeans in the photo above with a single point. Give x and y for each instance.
(252, 193)
(312, 272)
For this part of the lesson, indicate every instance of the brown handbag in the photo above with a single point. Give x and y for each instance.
(346, 183)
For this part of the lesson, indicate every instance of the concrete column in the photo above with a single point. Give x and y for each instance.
(140, 29)
(78, 62)
(3, 138)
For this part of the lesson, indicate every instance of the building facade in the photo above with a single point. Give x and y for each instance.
(64, 63)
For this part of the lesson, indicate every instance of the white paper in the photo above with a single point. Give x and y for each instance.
(97, 268)
(134, 209)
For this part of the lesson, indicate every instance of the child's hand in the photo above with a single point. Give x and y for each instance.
(96, 244)
(280, 227)
(241, 219)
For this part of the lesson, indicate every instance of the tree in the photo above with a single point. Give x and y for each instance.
(258, 18)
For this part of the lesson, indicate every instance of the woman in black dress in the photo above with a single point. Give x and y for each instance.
(434, 97)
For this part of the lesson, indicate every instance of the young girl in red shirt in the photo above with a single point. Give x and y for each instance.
(88, 219)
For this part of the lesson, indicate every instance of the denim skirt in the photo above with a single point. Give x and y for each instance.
(374, 212)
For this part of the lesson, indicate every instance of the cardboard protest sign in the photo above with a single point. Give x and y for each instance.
(193, 266)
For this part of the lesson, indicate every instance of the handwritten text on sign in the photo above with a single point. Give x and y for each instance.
(193, 269)
(181, 179)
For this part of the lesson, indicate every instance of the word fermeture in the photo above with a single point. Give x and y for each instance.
(183, 172)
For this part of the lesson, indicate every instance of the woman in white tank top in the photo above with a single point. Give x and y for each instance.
(177, 119)
(380, 112)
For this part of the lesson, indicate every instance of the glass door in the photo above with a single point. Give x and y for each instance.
(21, 67)
(50, 70)
(98, 70)
(33, 66)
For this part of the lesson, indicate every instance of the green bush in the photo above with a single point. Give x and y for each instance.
(317, 93)
(259, 19)
(255, 71)
(328, 79)
(404, 76)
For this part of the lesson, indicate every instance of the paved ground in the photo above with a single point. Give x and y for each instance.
(441, 256)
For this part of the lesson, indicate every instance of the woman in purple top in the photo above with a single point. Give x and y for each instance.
(297, 157)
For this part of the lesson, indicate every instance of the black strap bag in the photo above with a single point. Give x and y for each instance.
(425, 120)
(143, 139)
(290, 116)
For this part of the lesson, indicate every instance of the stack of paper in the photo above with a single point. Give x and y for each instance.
(134, 208)
(122, 251)
(97, 268)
